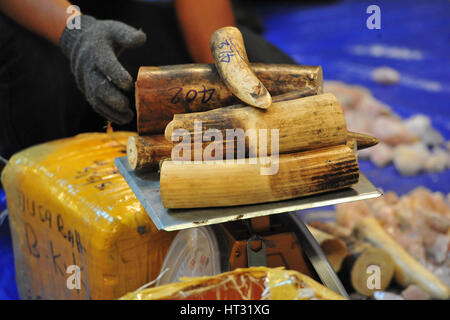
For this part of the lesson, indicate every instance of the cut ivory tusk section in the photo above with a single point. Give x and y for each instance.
(230, 57)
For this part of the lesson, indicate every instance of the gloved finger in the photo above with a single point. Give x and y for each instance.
(109, 94)
(111, 68)
(112, 115)
(107, 100)
(127, 36)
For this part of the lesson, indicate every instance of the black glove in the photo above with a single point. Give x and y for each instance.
(99, 75)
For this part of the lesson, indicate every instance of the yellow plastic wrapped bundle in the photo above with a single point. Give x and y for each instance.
(256, 283)
(78, 230)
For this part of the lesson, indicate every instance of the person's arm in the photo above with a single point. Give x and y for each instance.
(44, 17)
(198, 20)
(91, 47)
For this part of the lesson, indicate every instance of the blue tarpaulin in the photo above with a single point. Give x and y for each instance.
(414, 39)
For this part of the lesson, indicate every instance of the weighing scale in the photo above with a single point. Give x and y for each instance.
(216, 240)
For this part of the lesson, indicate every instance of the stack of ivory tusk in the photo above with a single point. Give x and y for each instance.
(294, 144)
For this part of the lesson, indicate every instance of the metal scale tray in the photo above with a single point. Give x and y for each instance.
(146, 189)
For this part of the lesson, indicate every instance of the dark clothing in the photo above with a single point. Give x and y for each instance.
(39, 100)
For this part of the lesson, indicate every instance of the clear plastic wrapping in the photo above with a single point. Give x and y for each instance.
(256, 283)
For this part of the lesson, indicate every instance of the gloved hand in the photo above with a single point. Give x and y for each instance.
(99, 75)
